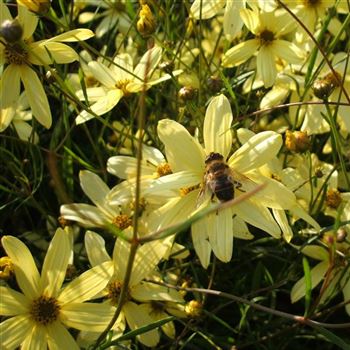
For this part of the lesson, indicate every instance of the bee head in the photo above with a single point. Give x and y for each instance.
(213, 156)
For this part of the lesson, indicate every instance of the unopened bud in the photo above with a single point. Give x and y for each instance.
(333, 198)
(6, 268)
(194, 308)
(187, 93)
(11, 31)
(325, 86)
(341, 235)
(167, 66)
(214, 84)
(319, 173)
(37, 6)
(146, 25)
(297, 141)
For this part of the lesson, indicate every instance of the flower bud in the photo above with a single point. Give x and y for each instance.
(167, 66)
(11, 31)
(333, 198)
(146, 25)
(214, 84)
(6, 268)
(297, 141)
(325, 86)
(341, 235)
(187, 93)
(37, 6)
(194, 308)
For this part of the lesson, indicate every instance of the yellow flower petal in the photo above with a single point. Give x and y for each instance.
(206, 9)
(183, 151)
(28, 20)
(95, 248)
(35, 339)
(45, 52)
(14, 330)
(79, 34)
(266, 66)
(12, 302)
(137, 316)
(200, 242)
(27, 274)
(36, 96)
(148, 63)
(88, 284)
(58, 337)
(55, 263)
(256, 152)
(10, 86)
(317, 274)
(220, 232)
(240, 53)
(92, 317)
(149, 291)
(217, 132)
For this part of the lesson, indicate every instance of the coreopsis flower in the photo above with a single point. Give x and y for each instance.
(120, 79)
(38, 317)
(187, 160)
(18, 115)
(135, 310)
(205, 9)
(332, 269)
(37, 6)
(102, 214)
(268, 45)
(18, 57)
(113, 14)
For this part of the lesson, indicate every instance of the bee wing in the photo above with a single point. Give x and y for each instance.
(241, 182)
(205, 193)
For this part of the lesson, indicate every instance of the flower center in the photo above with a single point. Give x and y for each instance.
(122, 221)
(45, 310)
(266, 37)
(118, 6)
(163, 169)
(312, 3)
(186, 190)
(333, 198)
(16, 54)
(122, 85)
(114, 289)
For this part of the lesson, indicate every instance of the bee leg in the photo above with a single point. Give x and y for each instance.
(238, 186)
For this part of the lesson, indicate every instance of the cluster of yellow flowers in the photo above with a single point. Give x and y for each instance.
(229, 178)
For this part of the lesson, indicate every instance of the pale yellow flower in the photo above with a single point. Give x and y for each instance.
(333, 256)
(268, 28)
(120, 79)
(136, 309)
(20, 55)
(187, 160)
(40, 315)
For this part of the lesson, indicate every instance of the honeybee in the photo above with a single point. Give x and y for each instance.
(219, 178)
